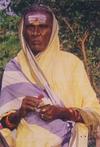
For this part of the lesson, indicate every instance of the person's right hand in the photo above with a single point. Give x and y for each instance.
(29, 104)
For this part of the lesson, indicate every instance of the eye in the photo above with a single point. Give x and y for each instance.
(29, 27)
(43, 26)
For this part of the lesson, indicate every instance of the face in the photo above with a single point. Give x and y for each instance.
(37, 30)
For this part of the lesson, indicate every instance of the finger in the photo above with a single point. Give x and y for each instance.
(31, 102)
(35, 98)
(29, 107)
(40, 96)
(46, 117)
(30, 99)
(26, 104)
(27, 100)
(45, 108)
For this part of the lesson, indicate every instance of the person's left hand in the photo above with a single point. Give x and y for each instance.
(51, 112)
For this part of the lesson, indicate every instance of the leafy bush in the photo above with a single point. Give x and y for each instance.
(9, 43)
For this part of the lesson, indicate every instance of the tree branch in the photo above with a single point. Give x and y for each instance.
(82, 44)
(68, 24)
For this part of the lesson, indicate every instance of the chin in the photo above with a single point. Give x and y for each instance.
(37, 48)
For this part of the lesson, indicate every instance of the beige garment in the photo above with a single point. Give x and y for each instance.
(79, 136)
(35, 136)
(8, 136)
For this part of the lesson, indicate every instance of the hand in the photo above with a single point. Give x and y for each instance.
(29, 104)
(51, 112)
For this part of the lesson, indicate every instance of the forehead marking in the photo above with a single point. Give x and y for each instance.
(37, 18)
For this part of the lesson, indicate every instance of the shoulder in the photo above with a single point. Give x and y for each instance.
(69, 57)
(12, 65)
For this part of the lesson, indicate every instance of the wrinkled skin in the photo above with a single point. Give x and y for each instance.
(38, 35)
(29, 104)
(51, 112)
(47, 112)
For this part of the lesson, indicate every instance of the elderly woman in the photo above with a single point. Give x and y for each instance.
(45, 91)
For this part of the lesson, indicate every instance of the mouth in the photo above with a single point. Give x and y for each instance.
(35, 42)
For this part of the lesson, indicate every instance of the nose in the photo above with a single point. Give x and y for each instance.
(36, 31)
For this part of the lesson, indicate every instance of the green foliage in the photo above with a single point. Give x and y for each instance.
(9, 44)
(8, 48)
(8, 22)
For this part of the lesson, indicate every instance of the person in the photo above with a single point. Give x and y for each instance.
(45, 91)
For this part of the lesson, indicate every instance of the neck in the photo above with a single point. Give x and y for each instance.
(35, 52)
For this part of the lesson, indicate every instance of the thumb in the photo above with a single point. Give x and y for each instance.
(40, 96)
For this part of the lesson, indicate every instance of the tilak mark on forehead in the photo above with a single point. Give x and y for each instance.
(36, 19)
